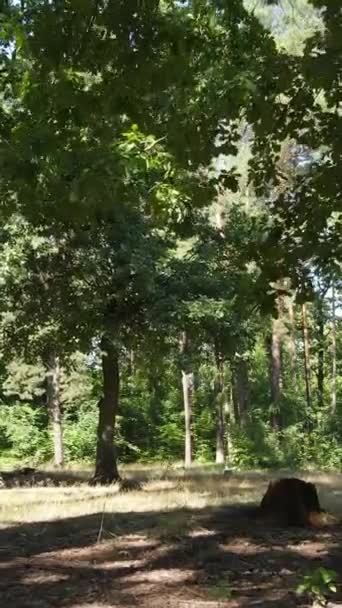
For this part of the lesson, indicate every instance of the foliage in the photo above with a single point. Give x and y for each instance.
(24, 432)
(172, 167)
(318, 583)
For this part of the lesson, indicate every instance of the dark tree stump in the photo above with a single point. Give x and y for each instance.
(291, 502)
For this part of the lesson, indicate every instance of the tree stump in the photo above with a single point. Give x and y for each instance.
(291, 502)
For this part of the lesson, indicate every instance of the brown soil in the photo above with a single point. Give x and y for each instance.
(224, 558)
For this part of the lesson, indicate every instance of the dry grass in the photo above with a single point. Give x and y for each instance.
(163, 545)
(162, 490)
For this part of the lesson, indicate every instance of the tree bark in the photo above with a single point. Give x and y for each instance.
(188, 383)
(333, 351)
(220, 457)
(221, 446)
(242, 389)
(106, 471)
(188, 389)
(229, 416)
(320, 356)
(291, 339)
(54, 406)
(276, 370)
(307, 363)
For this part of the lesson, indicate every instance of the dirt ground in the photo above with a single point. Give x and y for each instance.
(199, 557)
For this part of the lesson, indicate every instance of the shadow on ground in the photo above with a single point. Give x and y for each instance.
(160, 559)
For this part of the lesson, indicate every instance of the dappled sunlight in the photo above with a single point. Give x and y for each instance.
(194, 554)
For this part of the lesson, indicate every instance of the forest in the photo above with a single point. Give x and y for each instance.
(171, 303)
(170, 254)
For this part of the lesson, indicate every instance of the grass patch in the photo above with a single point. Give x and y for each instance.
(161, 491)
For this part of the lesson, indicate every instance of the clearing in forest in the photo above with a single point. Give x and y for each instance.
(182, 540)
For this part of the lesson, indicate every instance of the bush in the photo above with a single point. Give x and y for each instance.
(80, 434)
(24, 428)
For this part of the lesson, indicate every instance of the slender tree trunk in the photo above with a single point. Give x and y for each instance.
(307, 363)
(54, 406)
(188, 383)
(220, 406)
(220, 457)
(276, 375)
(333, 352)
(229, 415)
(233, 393)
(106, 467)
(220, 411)
(188, 388)
(291, 340)
(320, 367)
(242, 389)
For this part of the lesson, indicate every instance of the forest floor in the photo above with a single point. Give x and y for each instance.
(184, 541)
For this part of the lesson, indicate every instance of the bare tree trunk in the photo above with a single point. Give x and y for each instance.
(229, 415)
(276, 368)
(106, 467)
(220, 410)
(242, 389)
(54, 406)
(188, 388)
(291, 340)
(307, 363)
(220, 457)
(320, 367)
(333, 352)
(221, 446)
(233, 393)
(188, 383)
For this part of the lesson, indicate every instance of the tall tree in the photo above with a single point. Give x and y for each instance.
(292, 337)
(276, 363)
(188, 389)
(307, 358)
(53, 403)
(242, 389)
(220, 414)
(333, 350)
(106, 468)
(275, 375)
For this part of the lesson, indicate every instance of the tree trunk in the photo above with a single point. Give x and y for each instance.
(307, 363)
(220, 457)
(276, 372)
(188, 383)
(54, 406)
(233, 394)
(229, 416)
(242, 389)
(320, 367)
(291, 340)
(188, 388)
(220, 411)
(333, 352)
(106, 467)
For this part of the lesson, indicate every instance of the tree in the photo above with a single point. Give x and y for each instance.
(111, 117)
(54, 405)
(306, 217)
(307, 361)
(82, 157)
(276, 374)
(106, 467)
(188, 388)
(333, 350)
